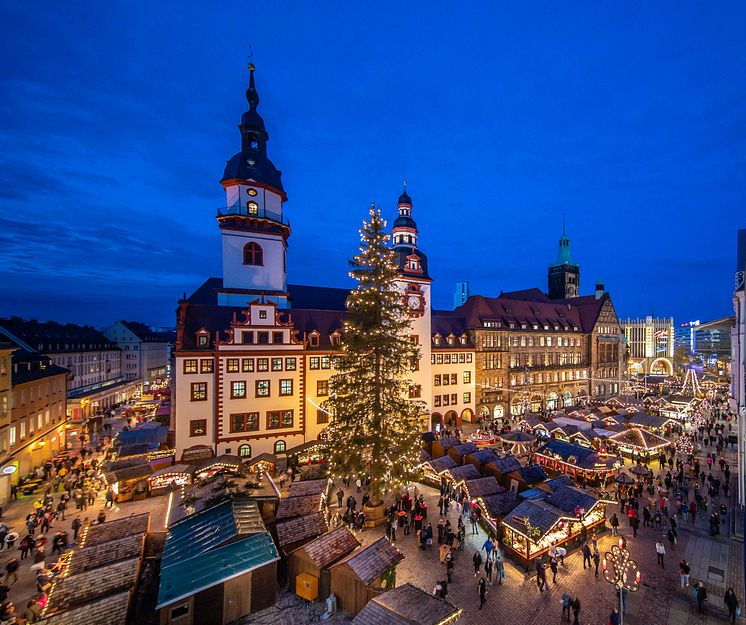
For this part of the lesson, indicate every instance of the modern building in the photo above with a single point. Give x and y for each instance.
(683, 334)
(712, 339)
(96, 381)
(738, 361)
(254, 354)
(145, 352)
(34, 427)
(650, 341)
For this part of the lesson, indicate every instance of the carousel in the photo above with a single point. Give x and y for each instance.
(517, 443)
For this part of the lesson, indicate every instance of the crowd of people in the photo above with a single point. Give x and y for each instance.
(70, 486)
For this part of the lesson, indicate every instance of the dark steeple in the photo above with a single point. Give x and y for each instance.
(564, 275)
(251, 163)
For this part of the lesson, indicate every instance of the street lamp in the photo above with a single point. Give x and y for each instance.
(622, 572)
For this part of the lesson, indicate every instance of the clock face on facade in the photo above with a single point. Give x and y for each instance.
(413, 301)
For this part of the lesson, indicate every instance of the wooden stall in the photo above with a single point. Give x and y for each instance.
(316, 557)
(296, 532)
(480, 458)
(638, 444)
(500, 468)
(456, 475)
(441, 446)
(434, 470)
(524, 478)
(535, 526)
(459, 452)
(495, 508)
(407, 605)
(130, 483)
(227, 463)
(581, 463)
(364, 574)
(168, 478)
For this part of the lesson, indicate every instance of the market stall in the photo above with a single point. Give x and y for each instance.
(636, 443)
(130, 483)
(582, 463)
(225, 462)
(535, 526)
(433, 470)
(170, 477)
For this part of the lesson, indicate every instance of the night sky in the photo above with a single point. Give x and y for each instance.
(116, 120)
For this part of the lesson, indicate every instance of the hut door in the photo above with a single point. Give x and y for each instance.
(514, 486)
(325, 584)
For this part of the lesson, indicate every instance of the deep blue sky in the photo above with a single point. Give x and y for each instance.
(116, 120)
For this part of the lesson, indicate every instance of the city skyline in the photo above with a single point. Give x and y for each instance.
(635, 140)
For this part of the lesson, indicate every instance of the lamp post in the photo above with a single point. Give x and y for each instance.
(621, 571)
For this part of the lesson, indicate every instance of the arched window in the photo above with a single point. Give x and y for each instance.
(253, 254)
(244, 451)
(252, 208)
(279, 447)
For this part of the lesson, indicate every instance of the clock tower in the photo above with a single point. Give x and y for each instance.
(253, 228)
(564, 275)
(414, 285)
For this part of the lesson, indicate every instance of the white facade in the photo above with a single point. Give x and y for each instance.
(738, 362)
(143, 357)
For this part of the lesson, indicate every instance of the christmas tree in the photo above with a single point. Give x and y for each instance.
(375, 427)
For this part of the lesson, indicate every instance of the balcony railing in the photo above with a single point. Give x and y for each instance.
(542, 367)
(260, 213)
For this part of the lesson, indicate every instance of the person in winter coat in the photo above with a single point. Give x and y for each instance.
(731, 603)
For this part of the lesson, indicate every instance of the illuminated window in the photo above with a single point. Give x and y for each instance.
(313, 362)
(252, 192)
(277, 364)
(198, 427)
(244, 422)
(244, 451)
(262, 388)
(252, 208)
(279, 447)
(322, 388)
(253, 254)
(467, 377)
(289, 364)
(199, 391)
(247, 365)
(206, 365)
(190, 366)
(262, 364)
(277, 419)
(322, 416)
(232, 366)
(238, 389)
(286, 387)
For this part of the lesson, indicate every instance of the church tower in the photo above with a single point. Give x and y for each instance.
(253, 229)
(564, 275)
(414, 285)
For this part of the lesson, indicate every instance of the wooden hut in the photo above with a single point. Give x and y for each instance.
(302, 488)
(433, 470)
(364, 574)
(218, 565)
(296, 532)
(130, 483)
(456, 475)
(225, 462)
(481, 487)
(481, 458)
(291, 507)
(637, 443)
(525, 478)
(459, 452)
(535, 526)
(579, 462)
(441, 446)
(501, 467)
(495, 508)
(314, 559)
(407, 605)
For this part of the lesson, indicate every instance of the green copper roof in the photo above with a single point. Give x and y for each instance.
(564, 257)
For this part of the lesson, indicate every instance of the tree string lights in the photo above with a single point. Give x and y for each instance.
(375, 428)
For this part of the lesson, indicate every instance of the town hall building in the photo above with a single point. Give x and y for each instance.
(254, 354)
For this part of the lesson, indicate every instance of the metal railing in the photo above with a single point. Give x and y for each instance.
(259, 213)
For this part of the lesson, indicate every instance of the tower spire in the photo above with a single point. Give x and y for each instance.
(252, 96)
(563, 225)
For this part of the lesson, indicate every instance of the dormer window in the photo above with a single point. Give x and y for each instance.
(203, 338)
(313, 339)
(336, 339)
(451, 340)
(436, 339)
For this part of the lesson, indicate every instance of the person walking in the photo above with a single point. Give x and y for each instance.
(477, 560)
(684, 570)
(11, 570)
(76, 527)
(586, 555)
(731, 602)
(541, 576)
(660, 549)
(635, 523)
(358, 485)
(614, 617)
(614, 522)
(566, 602)
(575, 611)
(701, 593)
(488, 569)
(340, 497)
(553, 567)
(482, 592)
(499, 568)
(596, 560)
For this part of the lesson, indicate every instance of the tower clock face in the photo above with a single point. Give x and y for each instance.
(413, 301)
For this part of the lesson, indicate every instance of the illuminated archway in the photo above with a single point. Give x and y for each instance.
(467, 415)
(661, 366)
(498, 412)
